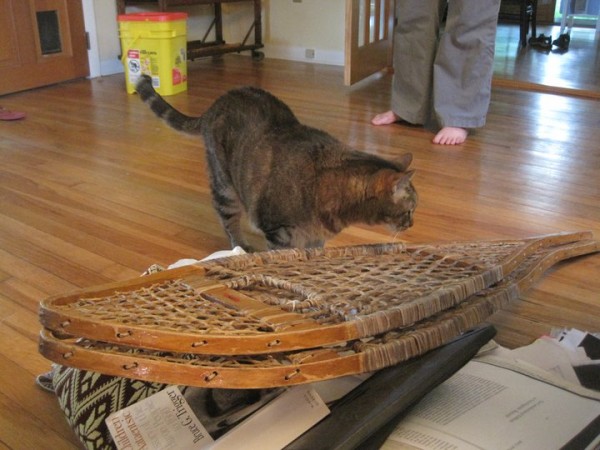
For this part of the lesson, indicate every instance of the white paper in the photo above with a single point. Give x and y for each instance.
(488, 407)
(215, 255)
(571, 338)
(163, 421)
(278, 423)
(334, 389)
(547, 354)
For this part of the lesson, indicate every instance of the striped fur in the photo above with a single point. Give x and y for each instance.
(298, 185)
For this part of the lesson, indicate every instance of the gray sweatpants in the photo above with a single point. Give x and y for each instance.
(444, 75)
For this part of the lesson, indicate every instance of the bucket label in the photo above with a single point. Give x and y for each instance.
(150, 61)
(178, 74)
(166, 66)
(134, 65)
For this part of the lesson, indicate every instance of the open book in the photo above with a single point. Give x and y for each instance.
(528, 398)
(489, 407)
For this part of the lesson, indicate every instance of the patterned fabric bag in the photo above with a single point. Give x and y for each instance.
(88, 398)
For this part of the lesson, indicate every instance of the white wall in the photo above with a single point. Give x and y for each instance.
(289, 29)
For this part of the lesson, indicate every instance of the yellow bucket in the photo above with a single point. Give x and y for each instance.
(155, 44)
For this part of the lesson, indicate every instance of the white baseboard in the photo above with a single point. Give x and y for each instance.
(332, 57)
(335, 58)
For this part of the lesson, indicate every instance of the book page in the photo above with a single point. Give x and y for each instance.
(492, 408)
(163, 421)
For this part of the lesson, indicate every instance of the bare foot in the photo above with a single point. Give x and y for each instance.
(450, 136)
(386, 118)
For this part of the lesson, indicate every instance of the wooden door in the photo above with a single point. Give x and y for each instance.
(41, 42)
(369, 34)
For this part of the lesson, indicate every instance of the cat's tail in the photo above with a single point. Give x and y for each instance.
(162, 109)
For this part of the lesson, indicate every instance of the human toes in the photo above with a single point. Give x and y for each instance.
(450, 136)
(386, 118)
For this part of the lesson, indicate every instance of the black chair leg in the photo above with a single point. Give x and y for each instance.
(534, 4)
(524, 23)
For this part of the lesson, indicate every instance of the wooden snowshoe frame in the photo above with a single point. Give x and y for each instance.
(289, 299)
(318, 363)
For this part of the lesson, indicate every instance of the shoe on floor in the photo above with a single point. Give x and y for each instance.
(562, 42)
(543, 42)
(5, 114)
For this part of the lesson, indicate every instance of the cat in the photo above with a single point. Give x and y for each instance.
(298, 185)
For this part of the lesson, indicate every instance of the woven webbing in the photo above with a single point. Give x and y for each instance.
(291, 299)
(286, 368)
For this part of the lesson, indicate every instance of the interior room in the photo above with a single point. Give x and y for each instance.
(96, 189)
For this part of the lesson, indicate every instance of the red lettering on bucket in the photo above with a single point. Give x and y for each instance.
(133, 54)
(177, 78)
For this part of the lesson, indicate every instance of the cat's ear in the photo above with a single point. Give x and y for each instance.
(404, 161)
(401, 183)
(405, 178)
(386, 182)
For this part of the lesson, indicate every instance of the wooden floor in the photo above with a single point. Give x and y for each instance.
(94, 188)
(575, 71)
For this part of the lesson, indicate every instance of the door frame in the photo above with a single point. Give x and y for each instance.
(373, 53)
(89, 19)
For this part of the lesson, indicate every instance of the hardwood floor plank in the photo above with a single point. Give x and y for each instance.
(16, 293)
(32, 418)
(31, 273)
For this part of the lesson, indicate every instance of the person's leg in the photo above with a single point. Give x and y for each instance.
(415, 44)
(463, 68)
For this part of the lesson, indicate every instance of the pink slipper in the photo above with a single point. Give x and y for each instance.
(5, 114)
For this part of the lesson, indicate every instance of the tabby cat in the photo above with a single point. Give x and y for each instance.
(297, 184)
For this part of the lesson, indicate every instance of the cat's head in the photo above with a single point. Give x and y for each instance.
(397, 197)
(397, 213)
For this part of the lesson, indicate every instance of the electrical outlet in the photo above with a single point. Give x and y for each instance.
(309, 53)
